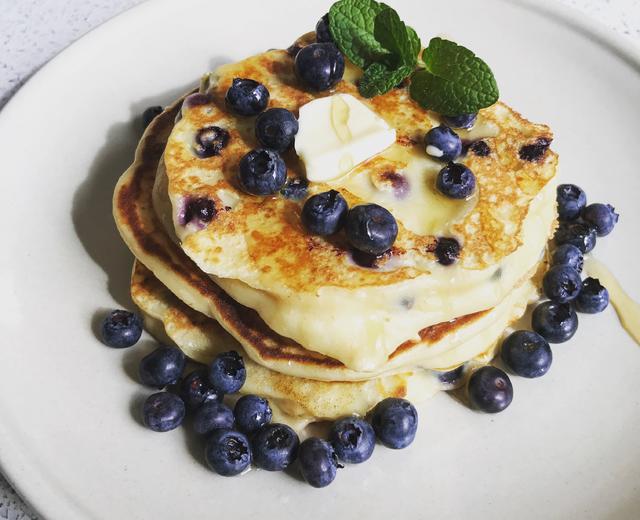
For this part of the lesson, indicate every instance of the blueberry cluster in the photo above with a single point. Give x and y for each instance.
(527, 353)
(238, 437)
(455, 180)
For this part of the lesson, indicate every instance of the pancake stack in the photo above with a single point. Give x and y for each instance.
(324, 332)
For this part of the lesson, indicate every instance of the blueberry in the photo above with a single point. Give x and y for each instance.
(571, 199)
(210, 141)
(163, 412)
(212, 416)
(227, 372)
(555, 322)
(227, 452)
(150, 114)
(318, 462)
(275, 446)
(295, 189)
(262, 172)
(569, 255)
(602, 217)
(276, 129)
(201, 209)
(593, 297)
(447, 250)
(452, 378)
(579, 234)
(319, 66)
(534, 151)
(162, 367)
(527, 353)
(489, 389)
(443, 143)
(196, 390)
(456, 181)
(395, 422)
(252, 412)
(561, 283)
(325, 213)
(323, 34)
(465, 121)
(247, 97)
(371, 228)
(479, 148)
(121, 329)
(353, 439)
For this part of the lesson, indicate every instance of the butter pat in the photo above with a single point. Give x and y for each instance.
(338, 132)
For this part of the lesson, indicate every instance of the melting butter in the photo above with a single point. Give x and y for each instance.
(628, 310)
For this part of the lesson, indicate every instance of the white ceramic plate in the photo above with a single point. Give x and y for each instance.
(569, 445)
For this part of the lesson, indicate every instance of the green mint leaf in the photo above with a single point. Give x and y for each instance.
(394, 36)
(455, 81)
(379, 79)
(351, 23)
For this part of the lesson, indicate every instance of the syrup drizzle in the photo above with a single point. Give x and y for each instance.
(628, 310)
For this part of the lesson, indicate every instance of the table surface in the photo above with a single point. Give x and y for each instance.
(33, 31)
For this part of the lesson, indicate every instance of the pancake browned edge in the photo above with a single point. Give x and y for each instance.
(144, 234)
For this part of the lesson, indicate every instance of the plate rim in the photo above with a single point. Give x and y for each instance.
(22, 474)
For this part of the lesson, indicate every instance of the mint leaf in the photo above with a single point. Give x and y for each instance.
(396, 37)
(455, 80)
(379, 79)
(351, 23)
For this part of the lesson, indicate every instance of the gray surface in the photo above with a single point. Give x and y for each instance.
(33, 31)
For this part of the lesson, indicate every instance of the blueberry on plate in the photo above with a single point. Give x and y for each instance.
(295, 189)
(526, 353)
(489, 389)
(447, 250)
(371, 228)
(456, 181)
(227, 452)
(395, 422)
(247, 97)
(121, 329)
(262, 172)
(579, 234)
(319, 66)
(325, 213)
(196, 390)
(593, 297)
(561, 283)
(163, 411)
(452, 378)
(210, 141)
(353, 439)
(602, 217)
(465, 121)
(323, 34)
(162, 367)
(275, 446)
(443, 143)
(569, 255)
(555, 322)
(150, 114)
(318, 462)
(211, 416)
(227, 373)
(571, 199)
(276, 128)
(251, 413)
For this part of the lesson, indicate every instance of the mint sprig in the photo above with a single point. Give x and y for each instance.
(374, 38)
(454, 81)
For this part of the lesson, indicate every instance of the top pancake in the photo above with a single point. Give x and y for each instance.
(301, 285)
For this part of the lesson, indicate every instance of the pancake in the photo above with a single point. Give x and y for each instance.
(296, 401)
(303, 286)
(441, 346)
